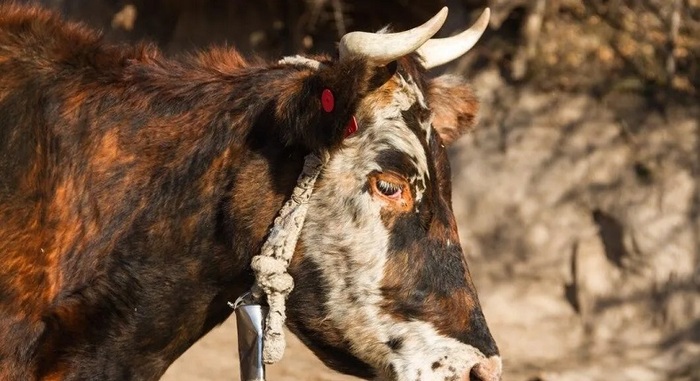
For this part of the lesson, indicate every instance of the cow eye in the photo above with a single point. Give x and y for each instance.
(392, 190)
(389, 189)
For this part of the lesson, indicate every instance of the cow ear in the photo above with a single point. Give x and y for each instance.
(454, 107)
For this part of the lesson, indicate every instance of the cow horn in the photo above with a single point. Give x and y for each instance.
(383, 48)
(439, 51)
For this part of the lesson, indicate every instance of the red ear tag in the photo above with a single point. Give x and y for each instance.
(351, 127)
(327, 100)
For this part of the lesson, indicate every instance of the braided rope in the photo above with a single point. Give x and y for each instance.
(270, 266)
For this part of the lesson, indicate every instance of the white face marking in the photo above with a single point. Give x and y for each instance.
(344, 235)
(411, 87)
(351, 255)
(427, 355)
(390, 132)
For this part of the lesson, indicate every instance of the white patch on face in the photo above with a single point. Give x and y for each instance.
(390, 132)
(420, 99)
(345, 237)
(427, 355)
(351, 254)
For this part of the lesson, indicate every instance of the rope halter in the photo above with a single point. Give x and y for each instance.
(271, 277)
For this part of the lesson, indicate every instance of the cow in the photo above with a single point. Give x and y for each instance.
(135, 189)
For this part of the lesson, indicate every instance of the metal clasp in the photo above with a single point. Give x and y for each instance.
(250, 322)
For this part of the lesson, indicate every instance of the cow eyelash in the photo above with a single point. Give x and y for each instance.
(388, 189)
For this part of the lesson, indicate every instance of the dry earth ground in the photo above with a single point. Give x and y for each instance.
(215, 358)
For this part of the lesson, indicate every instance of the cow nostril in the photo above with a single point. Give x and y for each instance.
(486, 370)
(474, 376)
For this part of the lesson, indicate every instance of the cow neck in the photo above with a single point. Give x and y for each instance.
(273, 283)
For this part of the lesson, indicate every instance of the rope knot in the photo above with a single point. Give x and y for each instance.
(271, 277)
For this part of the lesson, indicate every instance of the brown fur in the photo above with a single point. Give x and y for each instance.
(115, 160)
(134, 189)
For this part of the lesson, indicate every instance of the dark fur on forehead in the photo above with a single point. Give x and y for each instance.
(411, 65)
(443, 170)
(397, 161)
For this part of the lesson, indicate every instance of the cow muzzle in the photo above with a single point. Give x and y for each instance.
(488, 369)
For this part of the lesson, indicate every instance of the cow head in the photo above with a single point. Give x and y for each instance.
(382, 287)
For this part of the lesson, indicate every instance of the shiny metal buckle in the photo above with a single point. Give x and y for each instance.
(250, 322)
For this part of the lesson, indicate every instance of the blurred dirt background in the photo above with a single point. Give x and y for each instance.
(578, 196)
